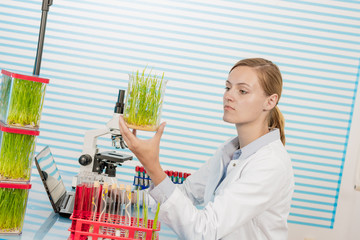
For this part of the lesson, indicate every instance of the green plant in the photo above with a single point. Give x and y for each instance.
(155, 221)
(16, 156)
(26, 103)
(144, 100)
(12, 209)
(4, 95)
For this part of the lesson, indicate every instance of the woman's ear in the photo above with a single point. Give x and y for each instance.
(271, 102)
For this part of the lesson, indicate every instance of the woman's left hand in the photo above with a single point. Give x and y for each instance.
(147, 151)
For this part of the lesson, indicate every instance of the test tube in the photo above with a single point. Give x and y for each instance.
(87, 206)
(180, 180)
(142, 177)
(127, 208)
(79, 192)
(114, 192)
(103, 203)
(145, 199)
(137, 208)
(94, 205)
(110, 208)
(175, 179)
(146, 179)
(104, 199)
(137, 176)
(154, 227)
(121, 207)
(171, 176)
(95, 200)
(128, 205)
(122, 203)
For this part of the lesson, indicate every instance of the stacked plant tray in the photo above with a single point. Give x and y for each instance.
(21, 105)
(13, 200)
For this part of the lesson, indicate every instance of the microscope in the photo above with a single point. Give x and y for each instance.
(93, 161)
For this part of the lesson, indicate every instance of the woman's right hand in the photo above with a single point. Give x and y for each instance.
(147, 151)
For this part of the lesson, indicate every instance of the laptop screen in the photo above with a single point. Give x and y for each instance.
(50, 176)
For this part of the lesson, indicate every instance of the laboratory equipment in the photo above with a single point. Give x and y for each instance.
(106, 221)
(93, 161)
(22, 99)
(144, 101)
(142, 179)
(61, 200)
(98, 227)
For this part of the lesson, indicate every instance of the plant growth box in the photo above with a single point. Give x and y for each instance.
(22, 99)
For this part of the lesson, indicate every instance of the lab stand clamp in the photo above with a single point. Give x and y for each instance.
(93, 161)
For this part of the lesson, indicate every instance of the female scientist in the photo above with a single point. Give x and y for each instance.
(246, 187)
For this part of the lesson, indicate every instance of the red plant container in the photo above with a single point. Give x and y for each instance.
(22, 99)
(13, 200)
(17, 148)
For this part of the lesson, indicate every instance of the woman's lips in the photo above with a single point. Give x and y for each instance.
(226, 107)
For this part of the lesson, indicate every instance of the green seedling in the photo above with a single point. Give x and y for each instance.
(16, 156)
(144, 101)
(4, 94)
(26, 103)
(155, 221)
(12, 209)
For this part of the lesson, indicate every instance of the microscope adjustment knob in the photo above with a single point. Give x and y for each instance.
(85, 159)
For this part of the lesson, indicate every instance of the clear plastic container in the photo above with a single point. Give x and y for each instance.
(22, 99)
(13, 200)
(144, 100)
(17, 147)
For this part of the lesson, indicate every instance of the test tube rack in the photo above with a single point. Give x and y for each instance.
(142, 179)
(111, 227)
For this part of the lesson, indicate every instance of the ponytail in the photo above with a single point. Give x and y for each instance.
(277, 121)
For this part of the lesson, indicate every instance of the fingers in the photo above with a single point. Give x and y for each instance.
(124, 130)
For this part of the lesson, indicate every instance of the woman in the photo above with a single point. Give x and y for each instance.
(246, 187)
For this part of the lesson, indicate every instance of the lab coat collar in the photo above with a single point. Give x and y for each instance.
(254, 146)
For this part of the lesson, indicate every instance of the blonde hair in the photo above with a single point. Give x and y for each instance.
(271, 81)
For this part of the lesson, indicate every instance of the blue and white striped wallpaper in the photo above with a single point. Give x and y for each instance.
(91, 46)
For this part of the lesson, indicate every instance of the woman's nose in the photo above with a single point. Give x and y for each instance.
(228, 95)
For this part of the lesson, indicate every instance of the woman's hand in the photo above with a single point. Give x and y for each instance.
(147, 151)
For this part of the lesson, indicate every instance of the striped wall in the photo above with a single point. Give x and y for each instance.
(92, 46)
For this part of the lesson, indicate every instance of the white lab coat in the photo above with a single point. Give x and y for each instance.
(251, 203)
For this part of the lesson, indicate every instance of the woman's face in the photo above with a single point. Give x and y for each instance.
(244, 99)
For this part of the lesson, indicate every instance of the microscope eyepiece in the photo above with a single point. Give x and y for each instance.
(119, 106)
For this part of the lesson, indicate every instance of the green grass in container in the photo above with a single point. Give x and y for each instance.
(12, 209)
(144, 101)
(4, 94)
(26, 103)
(16, 154)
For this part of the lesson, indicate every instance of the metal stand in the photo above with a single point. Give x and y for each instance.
(45, 8)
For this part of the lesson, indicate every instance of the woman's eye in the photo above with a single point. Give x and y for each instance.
(227, 88)
(243, 92)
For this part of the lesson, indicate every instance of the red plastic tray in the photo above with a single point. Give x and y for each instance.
(82, 228)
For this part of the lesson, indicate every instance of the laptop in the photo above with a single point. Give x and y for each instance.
(61, 200)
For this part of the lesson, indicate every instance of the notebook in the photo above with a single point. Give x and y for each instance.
(61, 200)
